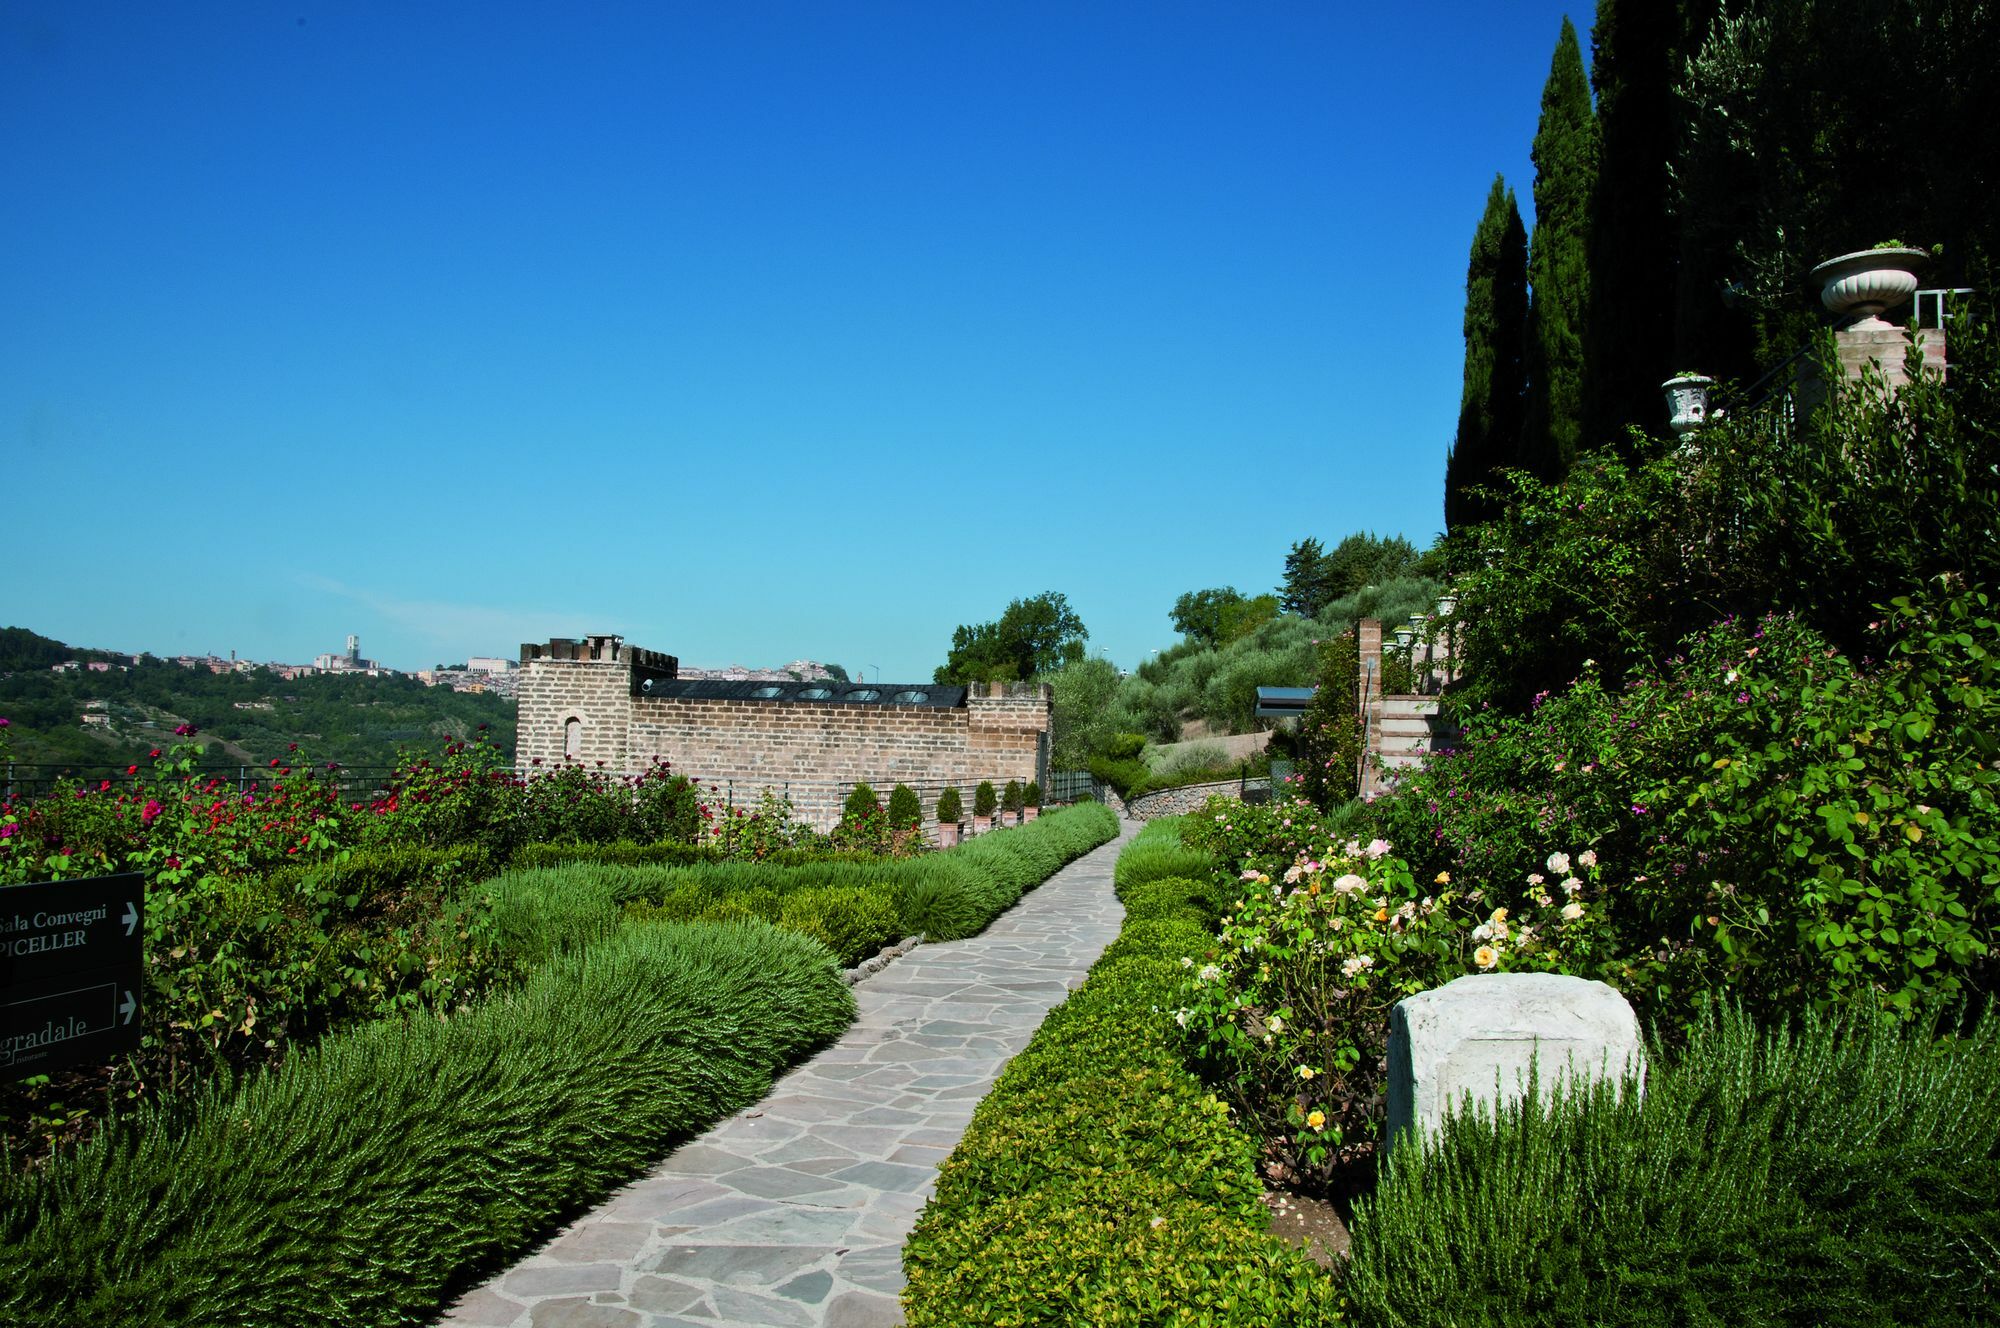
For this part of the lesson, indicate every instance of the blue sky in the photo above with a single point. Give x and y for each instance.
(749, 331)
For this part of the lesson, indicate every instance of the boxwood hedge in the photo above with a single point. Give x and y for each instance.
(1100, 1182)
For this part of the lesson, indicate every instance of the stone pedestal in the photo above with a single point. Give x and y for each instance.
(1888, 346)
(1476, 1036)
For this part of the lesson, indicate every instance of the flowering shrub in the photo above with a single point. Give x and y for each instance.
(1490, 806)
(1825, 829)
(751, 834)
(1288, 1014)
(276, 912)
(1784, 819)
(863, 825)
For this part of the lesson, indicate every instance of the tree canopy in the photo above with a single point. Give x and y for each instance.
(1034, 635)
(1490, 405)
(1221, 614)
(1565, 153)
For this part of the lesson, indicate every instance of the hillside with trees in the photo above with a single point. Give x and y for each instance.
(251, 717)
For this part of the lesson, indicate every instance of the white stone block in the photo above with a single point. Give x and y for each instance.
(1478, 1034)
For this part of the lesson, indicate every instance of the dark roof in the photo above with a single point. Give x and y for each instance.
(826, 691)
(1279, 702)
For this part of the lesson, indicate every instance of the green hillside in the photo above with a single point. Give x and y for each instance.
(249, 718)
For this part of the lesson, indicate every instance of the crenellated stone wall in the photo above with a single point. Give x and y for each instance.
(814, 751)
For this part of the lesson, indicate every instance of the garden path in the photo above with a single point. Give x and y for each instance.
(793, 1212)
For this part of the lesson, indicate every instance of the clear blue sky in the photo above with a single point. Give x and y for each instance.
(749, 331)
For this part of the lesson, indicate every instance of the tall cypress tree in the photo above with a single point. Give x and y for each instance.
(1496, 313)
(1565, 156)
(1636, 47)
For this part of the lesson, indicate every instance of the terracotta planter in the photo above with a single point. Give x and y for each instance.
(1008, 820)
(947, 834)
(1031, 813)
(981, 824)
(1687, 402)
(1868, 282)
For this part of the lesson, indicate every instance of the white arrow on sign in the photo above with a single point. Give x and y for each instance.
(128, 1007)
(131, 921)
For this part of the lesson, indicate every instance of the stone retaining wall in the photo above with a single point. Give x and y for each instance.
(1180, 801)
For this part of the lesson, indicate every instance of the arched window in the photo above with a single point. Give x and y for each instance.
(573, 738)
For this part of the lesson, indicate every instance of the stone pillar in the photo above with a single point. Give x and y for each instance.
(1368, 703)
(1888, 347)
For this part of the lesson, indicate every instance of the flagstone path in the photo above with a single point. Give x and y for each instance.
(793, 1213)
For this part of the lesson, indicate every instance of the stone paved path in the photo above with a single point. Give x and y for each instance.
(793, 1213)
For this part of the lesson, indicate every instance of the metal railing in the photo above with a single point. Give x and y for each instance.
(1070, 785)
(818, 802)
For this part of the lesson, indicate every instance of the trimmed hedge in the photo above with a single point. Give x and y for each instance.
(1100, 1182)
(943, 896)
(1846, 1171)
(369, 1176)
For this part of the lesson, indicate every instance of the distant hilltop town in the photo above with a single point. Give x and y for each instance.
(497, 674)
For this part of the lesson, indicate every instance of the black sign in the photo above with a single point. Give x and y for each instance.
(70, 971)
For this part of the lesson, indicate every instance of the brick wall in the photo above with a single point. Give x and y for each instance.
(819, 750)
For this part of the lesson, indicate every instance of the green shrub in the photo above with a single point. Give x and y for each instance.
(1010, 797)
(1099, 1183)
(1032, 794)
(950, 807)
(1170, 759)
(1781, 819)
(942, 896)
(1329, 738)
(1157, 851)
(1128, 777)
(1123, 746)
(368, 1178)
(905, 811)
(1839, 1172)
(983, 798)
(623, 851)
(853, 923)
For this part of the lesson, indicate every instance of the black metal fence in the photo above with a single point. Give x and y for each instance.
(1072, 785)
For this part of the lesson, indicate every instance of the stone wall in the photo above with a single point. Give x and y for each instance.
(812, 751)
(1180, 801)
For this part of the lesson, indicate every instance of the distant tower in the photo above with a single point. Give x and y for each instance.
(354, 651)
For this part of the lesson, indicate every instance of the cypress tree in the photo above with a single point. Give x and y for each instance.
(1636, 46)
(1565, 154)
(1496, 313)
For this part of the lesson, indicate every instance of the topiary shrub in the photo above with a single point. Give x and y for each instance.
(905, 811)
(950, 807)
(984, 799)
(863, 824)
(1010, 798)
(1032, 795)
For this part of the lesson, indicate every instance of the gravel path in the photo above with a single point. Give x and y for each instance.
(793, 1213)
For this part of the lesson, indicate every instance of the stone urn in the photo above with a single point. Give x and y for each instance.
(947, 834)
(1868, 282)
(1687, 402)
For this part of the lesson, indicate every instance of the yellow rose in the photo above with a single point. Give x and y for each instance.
(1316, 1120)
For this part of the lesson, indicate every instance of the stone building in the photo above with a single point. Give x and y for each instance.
(604, 703)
